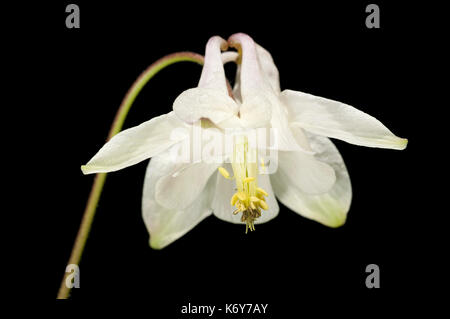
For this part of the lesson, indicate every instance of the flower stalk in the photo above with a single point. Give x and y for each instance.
(99, 181)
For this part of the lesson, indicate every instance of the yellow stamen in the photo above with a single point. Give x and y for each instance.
(254, 199)
(261, 191)
(234, 199)
(242, 196)
(249, 179)
(224, 172)
(241, 206)
(263, 205)
(249, 198)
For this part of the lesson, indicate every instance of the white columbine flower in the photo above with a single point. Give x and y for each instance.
(311, 178)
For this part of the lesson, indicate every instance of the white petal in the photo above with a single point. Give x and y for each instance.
(197, 103)
(167, 225)
(225, 189)
(229, 56)
(301, 138)
(250, 73)
(338, 120)
(269, 68)
(280, 125)
(305, 172)
(179, 189)
(210, 100)
(256, 112)
(213, 73)
(135, 144)
(330, 208)
(255, 87)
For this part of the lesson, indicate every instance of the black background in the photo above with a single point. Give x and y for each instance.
(324, 49)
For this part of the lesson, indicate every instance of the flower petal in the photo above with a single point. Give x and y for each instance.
(256, 112)
(210, 100)
(280, 125)
(226, 188)
(213, 73)
(305, 172)
(229, 56)
(268, 68)
(255, 88)
(135, 144)
(167, 225)
(197, 103)
(330, 208)
(177, 190)
(338, 120)
(251, 75)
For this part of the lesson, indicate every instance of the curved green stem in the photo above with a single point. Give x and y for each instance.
(94, 196)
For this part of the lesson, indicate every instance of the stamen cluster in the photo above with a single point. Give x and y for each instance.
(249, 199)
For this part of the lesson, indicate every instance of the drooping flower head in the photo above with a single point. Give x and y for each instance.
(255, 141)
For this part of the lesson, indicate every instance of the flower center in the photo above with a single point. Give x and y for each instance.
(249, 198)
